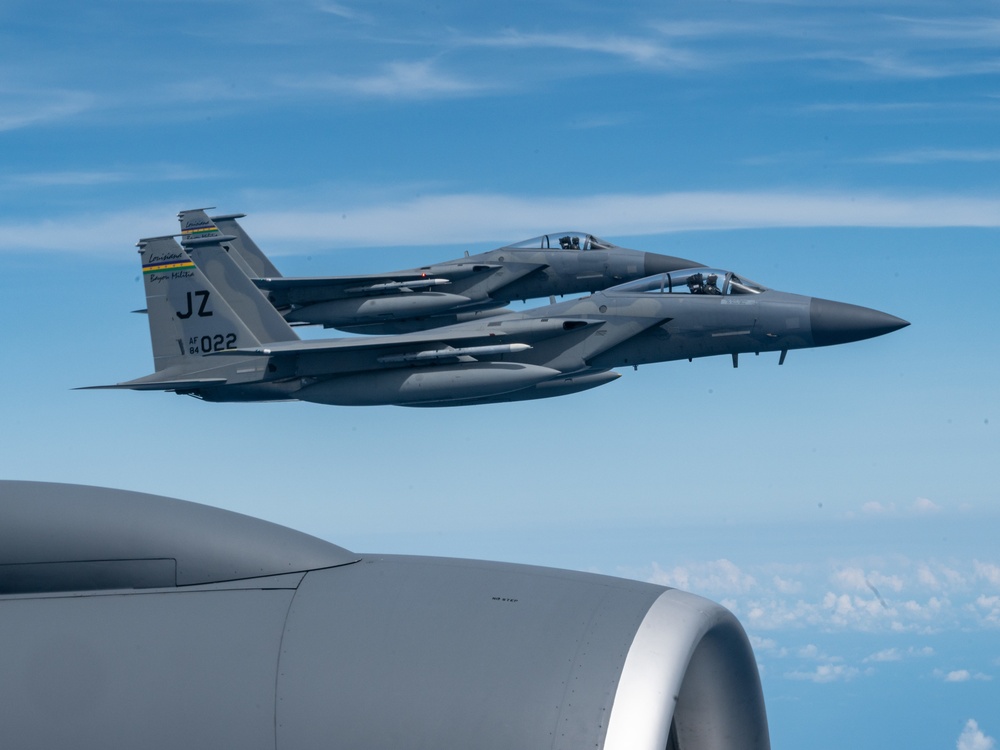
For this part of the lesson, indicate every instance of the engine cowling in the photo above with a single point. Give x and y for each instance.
(267, 638)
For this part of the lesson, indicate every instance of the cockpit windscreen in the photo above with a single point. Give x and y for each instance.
(564, 241)
(709, 281)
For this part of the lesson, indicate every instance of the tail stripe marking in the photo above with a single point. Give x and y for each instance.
(164, 267)
(199, 231)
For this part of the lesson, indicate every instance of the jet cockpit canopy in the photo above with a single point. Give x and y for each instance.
(710, 281)
(564, 241)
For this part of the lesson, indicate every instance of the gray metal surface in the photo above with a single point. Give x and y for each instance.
(61, 537)
(168, 670)
(384, 653)
(470, 654)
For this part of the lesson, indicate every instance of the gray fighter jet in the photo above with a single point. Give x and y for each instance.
(135, 621)
(215, 337)
(440, 294)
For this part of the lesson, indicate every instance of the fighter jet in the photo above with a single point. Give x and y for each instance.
(452, 291)
(215, 337)
(135, 621)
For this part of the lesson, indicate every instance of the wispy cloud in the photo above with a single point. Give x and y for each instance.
(894, 654)
(936, 155)
(871, 45)
(397, 80)
(461, 218)
(978, 31)
(643, 51)
(922, 506)
(824, 673)
(90, 178)
(962, 675)
(345, 12)
(895, 65)
(21, 109)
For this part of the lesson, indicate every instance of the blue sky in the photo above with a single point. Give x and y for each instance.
(845, 505)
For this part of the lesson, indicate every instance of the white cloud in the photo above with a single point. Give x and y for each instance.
(718, 577)
(809, 651)
(840, 595)
(926, 577)
(398, 80)
(873, 507)
(767, 645)
(856, 579)
(887, 654)
(923, 506)
(987, 571)
(989, 609)
(896, 654)
(962, 675)
(972, 738)
(343, 11)
(901, 65)
(637, 50)
(937, 155)
(21, 109)
(83, 178)
(824, 673)
(461, 218)
(784, 586)
(458, 218)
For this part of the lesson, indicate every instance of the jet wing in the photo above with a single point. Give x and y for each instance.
(287, 290)
(305, 290)
(328, 356)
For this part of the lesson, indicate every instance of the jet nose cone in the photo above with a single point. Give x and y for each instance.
(838, 323)
(656, 263)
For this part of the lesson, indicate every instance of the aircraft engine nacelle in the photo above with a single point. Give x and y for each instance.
(355, 310)
(130, 620)
(418, 385)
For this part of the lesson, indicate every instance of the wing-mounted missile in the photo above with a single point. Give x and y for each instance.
(460, 270)
(397, 286)
(307, 290)
(463, 354)
(219, 630)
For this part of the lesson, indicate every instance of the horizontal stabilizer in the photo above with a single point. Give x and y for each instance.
(157, 385)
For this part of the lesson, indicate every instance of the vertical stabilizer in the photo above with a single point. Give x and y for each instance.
(188, 318)
(214, 256)
(195, 224)
(261, 267)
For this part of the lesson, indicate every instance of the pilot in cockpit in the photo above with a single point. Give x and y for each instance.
(711, 285)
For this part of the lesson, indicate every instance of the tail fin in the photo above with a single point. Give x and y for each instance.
(196, 224)
(214, 257)
(188, 317)
(252, 255)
